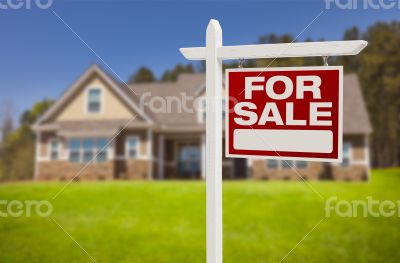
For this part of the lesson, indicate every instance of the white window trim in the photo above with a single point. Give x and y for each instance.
(138, 145)
(49, 143)
(64, 153)
(95, 150)
(87, 101)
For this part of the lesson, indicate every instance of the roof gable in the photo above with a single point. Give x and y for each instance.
(94, 76)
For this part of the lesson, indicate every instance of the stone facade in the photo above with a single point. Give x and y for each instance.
(137, 169)
(64, 170)
(260, 171)
(357, 170)
(352, 173)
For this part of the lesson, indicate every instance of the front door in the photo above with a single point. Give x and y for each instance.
(189, 161)
(239, 168)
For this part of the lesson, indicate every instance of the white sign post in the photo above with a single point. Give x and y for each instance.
(214, 53)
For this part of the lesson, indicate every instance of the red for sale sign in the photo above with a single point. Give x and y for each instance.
(285, 113)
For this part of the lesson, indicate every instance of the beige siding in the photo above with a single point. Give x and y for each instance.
(357, 146)
(45, 138)
(111, 106)
(121, 140)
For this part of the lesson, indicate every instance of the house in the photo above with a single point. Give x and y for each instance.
(102, 129)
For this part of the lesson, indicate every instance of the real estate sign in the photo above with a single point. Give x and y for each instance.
(285, 113)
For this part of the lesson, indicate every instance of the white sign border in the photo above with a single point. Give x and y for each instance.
(314, 68)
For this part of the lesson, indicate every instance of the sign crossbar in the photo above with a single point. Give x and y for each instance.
(307, 49)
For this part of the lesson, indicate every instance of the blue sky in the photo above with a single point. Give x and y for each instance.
(41, 57)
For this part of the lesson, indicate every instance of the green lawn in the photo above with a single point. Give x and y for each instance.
(165, 222)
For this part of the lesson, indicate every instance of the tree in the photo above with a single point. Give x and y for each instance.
(378, 71)
(29, 117)
(6, 128)
(142, 75)
(172, 75)
(352, 63)
(6, 119)
(377, 67)
(18, 150)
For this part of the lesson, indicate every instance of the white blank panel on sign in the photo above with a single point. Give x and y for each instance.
(317, 141)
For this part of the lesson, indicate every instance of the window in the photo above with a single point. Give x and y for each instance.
(85, 150)
(54, 149)
(132, 147)
(287, 164)
(346, 154)
(93, 100)
(272, 164)
(301, 164)
(101, 146)
(74, 150)
(88, 146)
(189, 161)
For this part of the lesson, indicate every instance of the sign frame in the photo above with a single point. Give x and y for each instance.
(302, 68)
(214, 53)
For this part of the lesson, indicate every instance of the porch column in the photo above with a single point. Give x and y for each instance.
(367, 156)
(150, 153)
(203, 156)
(111, 150)
(37, 154)
(161, 142)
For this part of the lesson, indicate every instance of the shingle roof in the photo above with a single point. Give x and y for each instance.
(356, 119)
(158, 100)
(355, 114)
(166, 111)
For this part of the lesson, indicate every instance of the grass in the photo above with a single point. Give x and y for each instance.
(165, 222)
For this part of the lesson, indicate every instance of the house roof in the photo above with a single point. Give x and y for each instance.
(162, 97)
(355, 114)
(157, 102)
